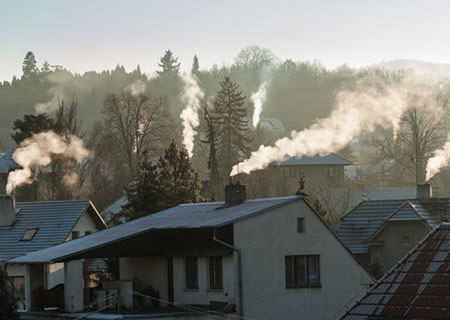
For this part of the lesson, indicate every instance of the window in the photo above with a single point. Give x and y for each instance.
(333, 174)
(300, 225)
(191, 268)
(86, 233)
(19, 283)
(215, 273)
(75, 235)
(406, 239)
(302, 271)
(29, 234)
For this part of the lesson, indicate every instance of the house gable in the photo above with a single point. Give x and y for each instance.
(266, 239)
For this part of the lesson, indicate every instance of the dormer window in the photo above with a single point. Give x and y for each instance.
(29, 234)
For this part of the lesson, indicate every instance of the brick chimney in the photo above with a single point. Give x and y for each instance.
(235, 193)
(424, 191)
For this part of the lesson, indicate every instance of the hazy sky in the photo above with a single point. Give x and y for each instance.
(86, 35)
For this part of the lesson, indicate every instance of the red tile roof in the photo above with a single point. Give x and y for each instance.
(418, 287)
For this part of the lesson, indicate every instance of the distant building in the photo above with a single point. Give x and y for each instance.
(26, 227)
(7, 164)
(417, 287)
(111, 213)
(379, 232)
(326, 171)
(271, 258)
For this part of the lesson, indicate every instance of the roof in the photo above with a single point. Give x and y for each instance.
(272, 124)
(418, 287)
(317, 160)
(7, 162)
(370, 216)
(183, 216)
(113, 209)
(53, 219)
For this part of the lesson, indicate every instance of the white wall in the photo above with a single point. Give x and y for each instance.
(73, 286)
(21, 270)
(266, 239)
(204, 295)
(55, 275)
(85, 223)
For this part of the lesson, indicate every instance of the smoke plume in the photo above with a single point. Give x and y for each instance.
(440, 159)
(258, 98)
(136, 88)
(36, 152)
(368, 105)
(59, 80)
(189, 116)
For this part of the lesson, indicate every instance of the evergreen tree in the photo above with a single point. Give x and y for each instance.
(195, 66)
(29, 66)
(169, 182)
(230, 115)
(31, 124)
(8, 305)
(213, 164)
(169, 64)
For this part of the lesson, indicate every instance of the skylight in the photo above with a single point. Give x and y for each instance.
(29, 234)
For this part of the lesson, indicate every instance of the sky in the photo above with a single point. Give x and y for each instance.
(85, 35)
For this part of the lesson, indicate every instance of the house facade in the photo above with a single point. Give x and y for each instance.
(380, 232)
(31, 226)
(417, 287)
(271, 258)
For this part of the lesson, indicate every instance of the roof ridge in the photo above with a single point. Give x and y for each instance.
(52, 201)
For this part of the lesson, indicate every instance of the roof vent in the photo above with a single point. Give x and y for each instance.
(424, 191)
(235, 193)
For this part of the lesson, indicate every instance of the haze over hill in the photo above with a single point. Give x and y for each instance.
(419, 67)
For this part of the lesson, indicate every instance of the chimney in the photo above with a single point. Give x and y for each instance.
(7, 210)
(235, 193)
(424, 191)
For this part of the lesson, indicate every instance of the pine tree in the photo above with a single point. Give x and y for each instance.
(230, 115)
(213, 164)
(169, 182)
(29, 66)
(8, 305)
(195, 66)
(169, 64)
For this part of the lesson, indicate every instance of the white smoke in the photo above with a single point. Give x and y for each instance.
(440, 159)
(36, 152)
(59, 80)
(363, 108)
(136, 88)
(189, 116)
(258, 98)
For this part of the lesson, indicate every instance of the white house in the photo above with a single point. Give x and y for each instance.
(271, 258)
(26, 227)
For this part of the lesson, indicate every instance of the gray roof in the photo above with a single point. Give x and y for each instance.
(272, 124)
(113, 209)
(317, 160)
(54, 220)
(184, 216)
(7, 163)
(369, 216)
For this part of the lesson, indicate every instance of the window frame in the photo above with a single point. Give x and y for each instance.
(403, 239)
(215, 277)
(77, 235)
(193, 284)
(301, 222)
(32, 236)
(291, 268)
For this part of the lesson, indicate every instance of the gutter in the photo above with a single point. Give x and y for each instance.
(239, 257)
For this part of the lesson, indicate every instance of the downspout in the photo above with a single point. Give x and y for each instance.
(238, 252)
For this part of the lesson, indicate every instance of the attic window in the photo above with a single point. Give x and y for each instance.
(29, 234)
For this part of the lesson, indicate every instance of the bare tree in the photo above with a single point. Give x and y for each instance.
(137, 123)
(254, 57)
(423, 129)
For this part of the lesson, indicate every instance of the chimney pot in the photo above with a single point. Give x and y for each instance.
(424, 191)
(7, 210)
(235, 193)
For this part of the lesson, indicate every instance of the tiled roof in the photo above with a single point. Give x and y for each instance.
(369, 216)
(7, 163)
(317, 160)
(113, 209)
(54, 220)
(418, 287)
(187, 216)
